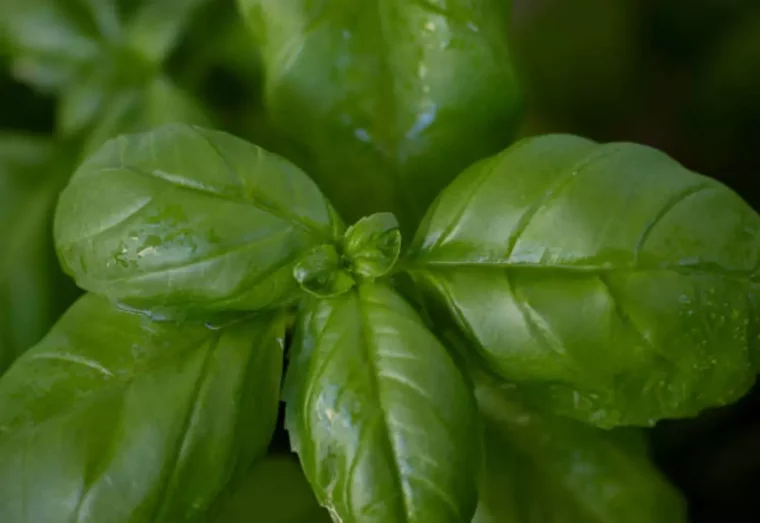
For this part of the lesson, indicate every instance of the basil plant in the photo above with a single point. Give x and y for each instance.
(450, 377)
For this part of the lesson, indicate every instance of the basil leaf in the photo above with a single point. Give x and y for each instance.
(114, 418)
(321, 274)
(184, 221)
(275, 492)
(158, 103)
(548, 469)
(155, 27)
(33, 290)
(613, 284)
(380, 93)
(54, 41)
(97, 86)
(372, 245)
(51, 40)
(379, 414)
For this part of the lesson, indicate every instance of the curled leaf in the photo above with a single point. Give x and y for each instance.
(372, 245)
(320, 272)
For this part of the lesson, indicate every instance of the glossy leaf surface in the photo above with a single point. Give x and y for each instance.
(187, 221)
(275, 491)
(321, 274)
(113, 418)
(32, 287)
(613, 284)
(540, 468)
(379, 414)
(372, 245)
(391, 98)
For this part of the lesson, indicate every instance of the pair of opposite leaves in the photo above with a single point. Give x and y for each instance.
(607, 282)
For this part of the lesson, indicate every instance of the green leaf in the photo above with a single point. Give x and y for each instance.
(321, 274)
(98, 86)
(379, 414)
(158, 103)
(184, 221)
(274, 492)
(101, 57)
(156, 26)
(613, 284)
(54, 41)
(33, 290)
(540, 468)
(391, 99)
(114, 418)
(372, 245)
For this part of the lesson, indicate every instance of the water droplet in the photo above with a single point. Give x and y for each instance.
(424, 120)
(363, 135)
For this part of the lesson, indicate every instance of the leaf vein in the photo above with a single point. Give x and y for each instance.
(666, 209)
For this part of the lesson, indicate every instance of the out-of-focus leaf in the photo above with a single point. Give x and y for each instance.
(391, 99)
(96, 88)
(97, 55)
(52, 42)
(275, 491)
(114, 418)
(33, 290)
(540, 468)
(138, 110)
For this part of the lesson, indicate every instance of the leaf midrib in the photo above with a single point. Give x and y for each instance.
(374, 382)
(422, 267)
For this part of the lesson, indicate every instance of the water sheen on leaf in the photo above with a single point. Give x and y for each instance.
(321, 274)
(540, 468)
(381, 417)
(613, 284)
(390, 98)
(113, 418)
(185, 221)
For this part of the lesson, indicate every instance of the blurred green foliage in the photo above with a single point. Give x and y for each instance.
(275, 491)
